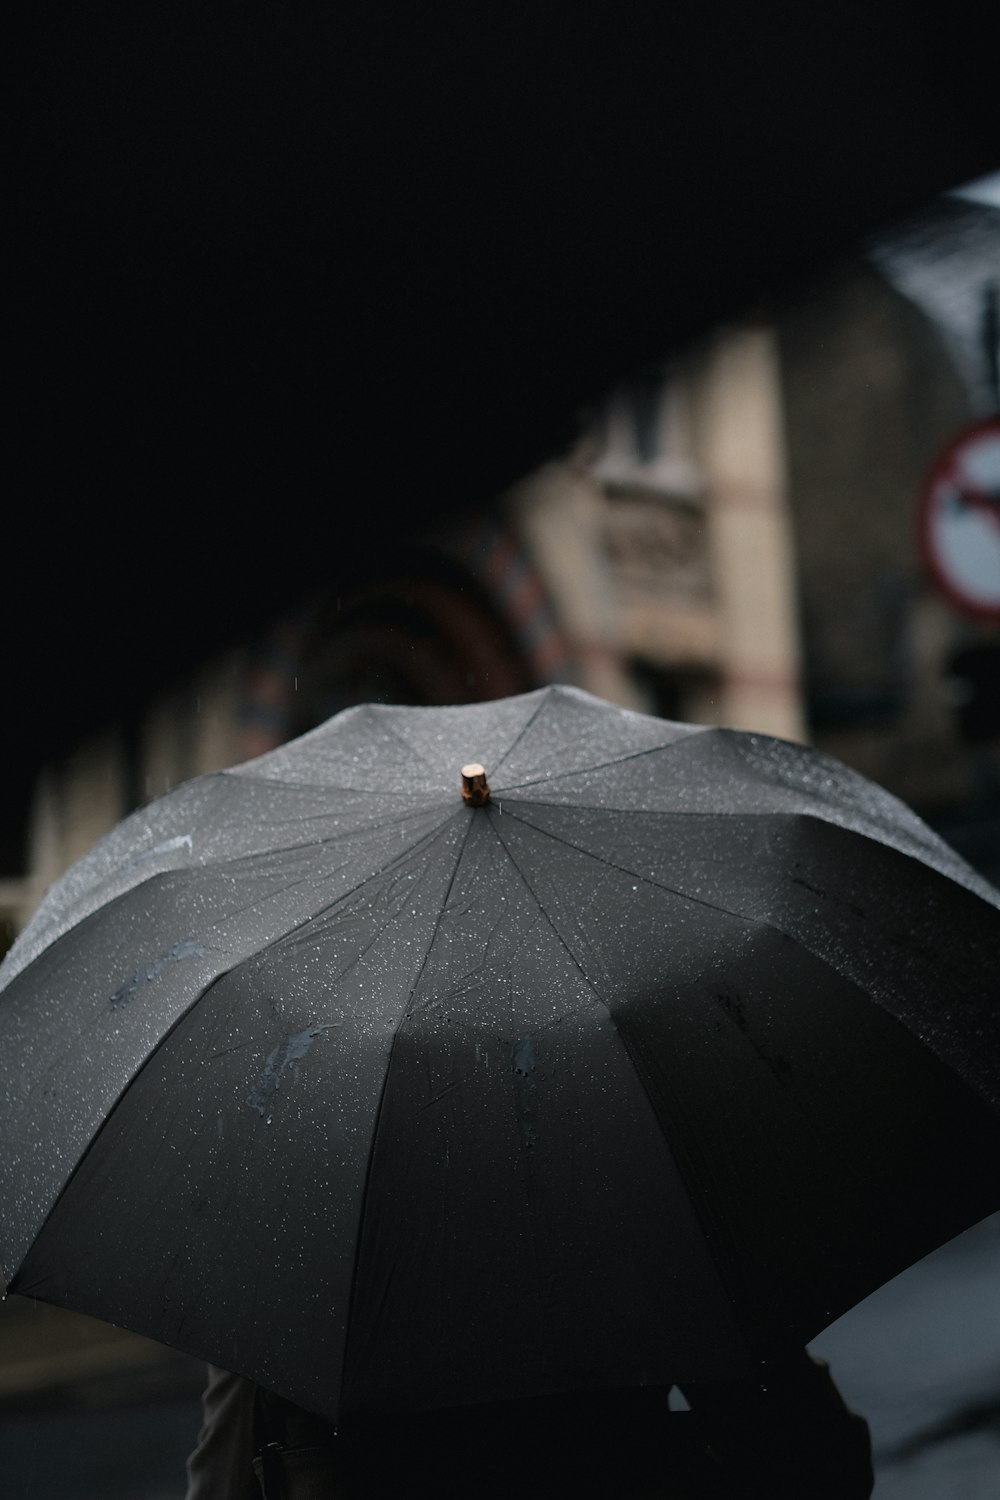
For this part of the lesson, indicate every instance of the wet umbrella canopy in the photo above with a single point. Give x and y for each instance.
(448, 1055)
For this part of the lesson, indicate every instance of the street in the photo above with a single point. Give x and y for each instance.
(921, 1359)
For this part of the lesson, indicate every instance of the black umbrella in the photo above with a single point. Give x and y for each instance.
(637, 1062)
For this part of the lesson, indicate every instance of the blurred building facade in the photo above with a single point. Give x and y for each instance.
(885, 361)
(733, 540)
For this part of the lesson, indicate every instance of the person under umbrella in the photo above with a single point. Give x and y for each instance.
(790, 1437)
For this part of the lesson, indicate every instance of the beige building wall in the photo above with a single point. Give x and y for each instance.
(559, 513)
(680, 558)
(740, 445)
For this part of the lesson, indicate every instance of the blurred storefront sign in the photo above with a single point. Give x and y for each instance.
(959, 520)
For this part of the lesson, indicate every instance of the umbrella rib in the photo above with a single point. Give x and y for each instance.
(443, 907)
(381, 1101)
(624, 869)
(323, 786)
(411, 749)
(370, 793)
(519, 736)
(600, 765)
(325, 840)
(542, 909)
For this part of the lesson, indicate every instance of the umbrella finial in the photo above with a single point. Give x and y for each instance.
(474, 787)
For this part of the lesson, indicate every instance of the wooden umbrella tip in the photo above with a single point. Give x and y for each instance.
(474, 786)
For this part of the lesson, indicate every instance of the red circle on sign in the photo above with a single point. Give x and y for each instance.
(953, 502)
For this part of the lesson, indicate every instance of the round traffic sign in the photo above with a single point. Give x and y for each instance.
(960, 520)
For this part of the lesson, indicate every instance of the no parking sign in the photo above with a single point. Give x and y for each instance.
(960, 520)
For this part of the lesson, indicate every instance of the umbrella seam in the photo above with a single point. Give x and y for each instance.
(321, 842)
(320, 786)
(602, 765)
(623, 869)
(383, 725)
(732, 1301)
(521, 733)
(363, 1208)
(916, 854)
